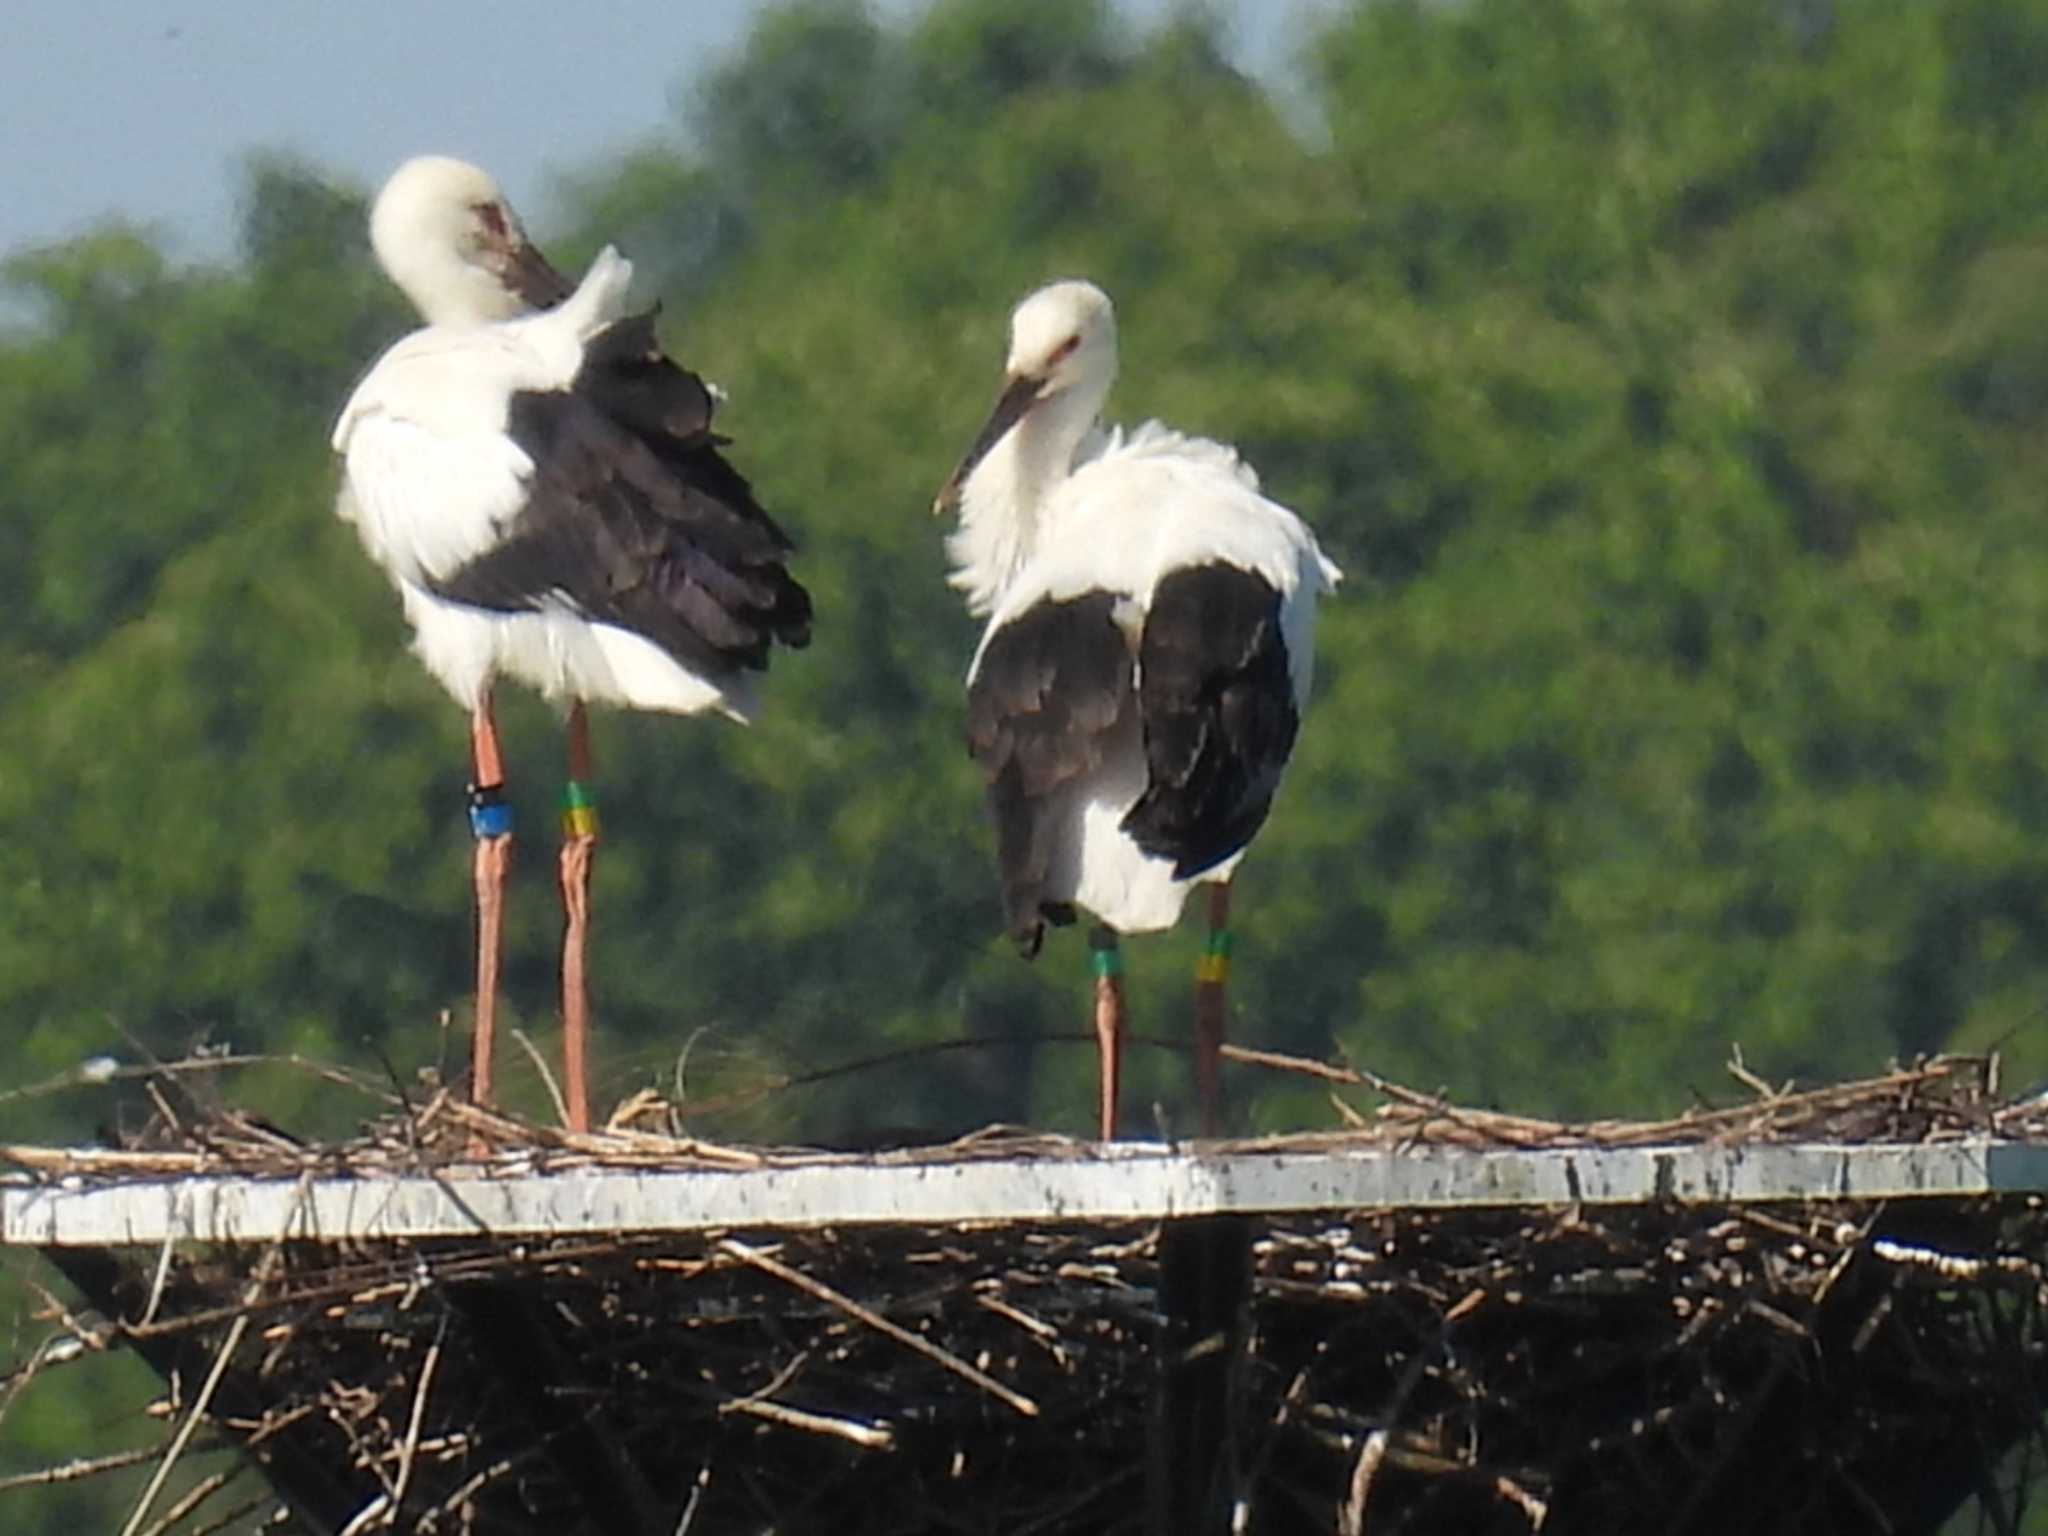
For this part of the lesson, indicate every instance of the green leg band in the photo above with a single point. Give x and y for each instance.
(1214, 964)
(579, 810)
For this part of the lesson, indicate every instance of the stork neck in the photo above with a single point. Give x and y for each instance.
(1002, 503)
(445, 289)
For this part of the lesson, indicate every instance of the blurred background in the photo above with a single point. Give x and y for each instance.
(1670, 377)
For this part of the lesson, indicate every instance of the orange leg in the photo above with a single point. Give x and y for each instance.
(579, 847)
(1212, 972)
(490, 818)
(1109, 1022)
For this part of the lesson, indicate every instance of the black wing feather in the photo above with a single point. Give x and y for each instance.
(1218, 710)
(1051, 686)
(635, 517)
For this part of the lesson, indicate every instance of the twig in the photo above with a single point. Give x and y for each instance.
(1036, 1327)
(81, 1077)
(52, 1351)
(547, 1077)
(1951, 1266)
(75, 1471)
(1351, 1518)
(156, 1285)
(1533, 1508)
(689, 1518)
(228, 1519)
(195, 1496)
(471, 1485)
(184, 1434)
(377, 1512)
(880, 1324)
(875, 1437)
(412, 1428)
(1739, 1070)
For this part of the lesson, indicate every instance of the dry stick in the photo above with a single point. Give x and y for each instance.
(52, 1351)
(412, 1428)
(1036, 1327)
(475, 1483)
(875, 1437)
(232, 1516)
(208, 1487)
(762, 1405)
(75, 1471)
(156, 1285)
(696, 1497)
(184, 1434)
(1434, 1104)
(1739, 1070)
(540, 1065)
(372, 1513)
(74, 1078)
(199, 1493)
(1351, 1518)
(880, 1324)
(596, 1144)
(1777, 1107)
(264, 1269)
(1533, 1509)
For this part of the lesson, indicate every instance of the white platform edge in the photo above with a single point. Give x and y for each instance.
(1131, 1183)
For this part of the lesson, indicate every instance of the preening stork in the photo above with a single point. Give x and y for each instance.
(1136, 693)
(544, 488)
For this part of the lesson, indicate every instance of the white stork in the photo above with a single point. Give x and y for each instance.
(1136, 693)
(543, 487)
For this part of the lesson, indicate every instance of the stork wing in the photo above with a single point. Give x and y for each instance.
(1049, 686)
(1219, 715)
(669, 544)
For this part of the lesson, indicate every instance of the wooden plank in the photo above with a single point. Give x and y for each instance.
(1128, 1182)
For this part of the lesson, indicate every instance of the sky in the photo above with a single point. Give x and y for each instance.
(145, 110)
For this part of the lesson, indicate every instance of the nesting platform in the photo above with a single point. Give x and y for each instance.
(1816, 1312)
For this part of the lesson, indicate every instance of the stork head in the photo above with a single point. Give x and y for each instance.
(444, 233)
(1062, 348)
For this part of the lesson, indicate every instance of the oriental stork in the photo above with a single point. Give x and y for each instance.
(1136, 693)
(543, 487)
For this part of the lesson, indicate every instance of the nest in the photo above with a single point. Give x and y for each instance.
(1944, 1098)
(1821, 1366)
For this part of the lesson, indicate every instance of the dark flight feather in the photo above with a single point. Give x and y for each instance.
(637, 525)
(1217, 704)
(1050, 688)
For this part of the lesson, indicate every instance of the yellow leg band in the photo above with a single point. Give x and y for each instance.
(579, 811)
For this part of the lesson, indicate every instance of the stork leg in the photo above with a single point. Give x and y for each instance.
(1212, 973)
(490, 819)
(579, 846)
(1109, 1021)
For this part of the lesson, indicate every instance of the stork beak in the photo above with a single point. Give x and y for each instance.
(526, 272)
(1019, 394)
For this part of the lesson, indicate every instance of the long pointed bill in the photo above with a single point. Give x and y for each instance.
(1018, 396)
(526, 272)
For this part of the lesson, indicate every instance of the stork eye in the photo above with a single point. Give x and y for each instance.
(1064, 350)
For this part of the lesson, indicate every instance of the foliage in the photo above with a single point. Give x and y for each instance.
(1670, 378)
